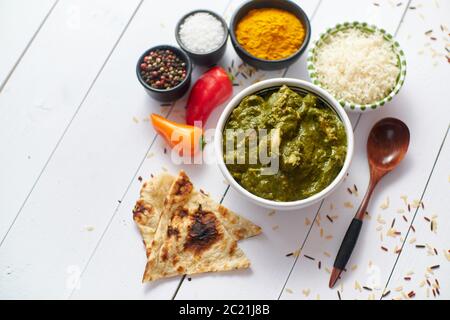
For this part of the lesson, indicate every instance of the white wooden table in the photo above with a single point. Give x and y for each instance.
(74, 139)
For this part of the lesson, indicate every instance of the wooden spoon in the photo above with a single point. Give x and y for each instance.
(386, 147)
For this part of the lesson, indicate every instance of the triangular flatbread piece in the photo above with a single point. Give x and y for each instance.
(148, 208)
(190, 238)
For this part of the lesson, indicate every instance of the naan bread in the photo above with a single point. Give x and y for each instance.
(148, 208)
(190, 238)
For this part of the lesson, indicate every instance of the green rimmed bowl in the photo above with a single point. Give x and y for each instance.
(401, 62)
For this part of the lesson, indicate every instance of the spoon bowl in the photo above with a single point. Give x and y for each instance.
(387, 144)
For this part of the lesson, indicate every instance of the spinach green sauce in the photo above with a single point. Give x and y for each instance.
(309, 136)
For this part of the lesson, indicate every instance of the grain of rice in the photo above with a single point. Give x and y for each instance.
(271, 213)
(447, 254)
(358, 286)
(392, 223)
(385, 204)
(348, 204)
(416, 203)
(405, 199)
(380, 220)
(435, 267)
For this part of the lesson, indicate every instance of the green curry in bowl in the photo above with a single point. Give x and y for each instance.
(301, 131)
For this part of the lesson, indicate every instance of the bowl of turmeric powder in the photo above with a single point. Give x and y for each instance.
(270, 34)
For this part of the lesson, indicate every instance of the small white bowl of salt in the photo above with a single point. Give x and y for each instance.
(203, 35)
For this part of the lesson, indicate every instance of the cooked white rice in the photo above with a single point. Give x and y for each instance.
(356, 66)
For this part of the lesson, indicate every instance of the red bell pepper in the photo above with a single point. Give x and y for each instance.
(212, 89)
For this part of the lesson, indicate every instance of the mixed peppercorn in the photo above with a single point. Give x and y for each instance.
(163, 69)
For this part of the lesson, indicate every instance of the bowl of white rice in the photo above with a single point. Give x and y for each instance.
(361, 65)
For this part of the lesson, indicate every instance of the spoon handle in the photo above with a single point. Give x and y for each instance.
(348, 244)
(351, 236)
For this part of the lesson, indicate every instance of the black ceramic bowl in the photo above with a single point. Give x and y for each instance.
(279, 4)
(171, 94)
(207, 58)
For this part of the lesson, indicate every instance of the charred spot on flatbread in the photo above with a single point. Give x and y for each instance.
(182, 212)
(171, 231)
(183, 185)
(233, 248)
(139, 209)
(164, 253)
(203, 231)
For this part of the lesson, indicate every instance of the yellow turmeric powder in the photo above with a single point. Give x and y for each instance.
(270, 34)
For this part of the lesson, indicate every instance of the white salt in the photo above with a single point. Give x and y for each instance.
(201, 33)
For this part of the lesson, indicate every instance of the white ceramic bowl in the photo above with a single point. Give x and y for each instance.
(274, 83)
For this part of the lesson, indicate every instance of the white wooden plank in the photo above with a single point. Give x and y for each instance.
(46, 89)
(20, 20)
(37, 104)
(414, 262)
(373, 265)
(99, 155)
(284, 232)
